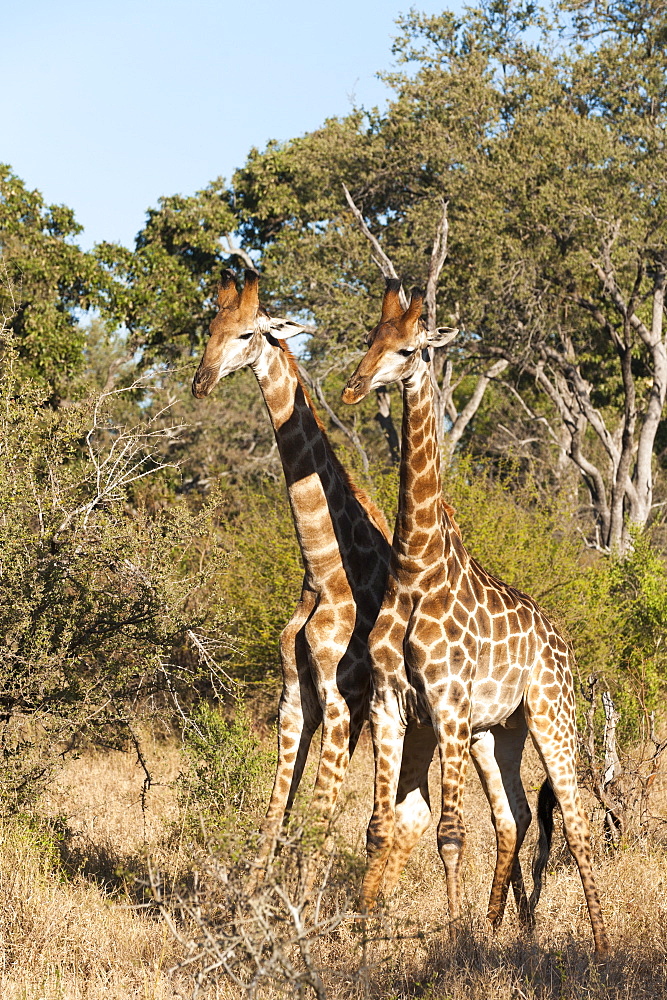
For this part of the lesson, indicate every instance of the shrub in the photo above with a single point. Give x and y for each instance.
(98, 593)
(226, 767)
(262, 578)
(638, 590)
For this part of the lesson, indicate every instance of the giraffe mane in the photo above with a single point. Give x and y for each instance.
(449, 511)
(373, 511)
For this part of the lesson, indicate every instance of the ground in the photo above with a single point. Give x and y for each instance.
(72, 925)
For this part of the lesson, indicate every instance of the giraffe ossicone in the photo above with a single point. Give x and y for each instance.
(461, 654)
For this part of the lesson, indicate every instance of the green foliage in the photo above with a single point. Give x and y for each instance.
(262, 579)
(49, 278)
(99, 588)
(226, 767)
(638, 590)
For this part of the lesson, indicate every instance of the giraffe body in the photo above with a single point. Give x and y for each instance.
(456, 649)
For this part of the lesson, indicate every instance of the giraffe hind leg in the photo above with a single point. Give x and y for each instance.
(298, 718)
(497, 758)
(413, 807)
(554, 740)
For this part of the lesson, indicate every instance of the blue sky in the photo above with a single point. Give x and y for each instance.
(107, 106)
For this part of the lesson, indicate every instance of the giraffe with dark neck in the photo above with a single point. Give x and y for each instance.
(471, 659)
(344, 542)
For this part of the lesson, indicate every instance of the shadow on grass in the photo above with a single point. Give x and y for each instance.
(97, 861)
(478, 968)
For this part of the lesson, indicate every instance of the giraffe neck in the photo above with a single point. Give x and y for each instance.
(335, 523)
(418, 536)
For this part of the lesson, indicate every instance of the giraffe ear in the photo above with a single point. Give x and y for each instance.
(249, 298)
(442, 336)
(391, 304)
(283, 329)
(414, 310)
(226, 287)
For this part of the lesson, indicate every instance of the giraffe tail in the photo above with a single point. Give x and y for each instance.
(546, 801)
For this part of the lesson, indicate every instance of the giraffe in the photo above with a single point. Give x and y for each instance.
(344, 542)
(463, 654)
(345, 547)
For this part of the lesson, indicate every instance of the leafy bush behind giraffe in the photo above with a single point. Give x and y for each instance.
(222, 782)
(613, 611)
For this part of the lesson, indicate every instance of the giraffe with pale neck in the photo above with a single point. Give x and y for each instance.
(456, 651)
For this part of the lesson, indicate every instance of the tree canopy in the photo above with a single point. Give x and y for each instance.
(47, 279)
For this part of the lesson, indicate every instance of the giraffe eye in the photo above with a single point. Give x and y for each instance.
(247, 335)
(406, 353)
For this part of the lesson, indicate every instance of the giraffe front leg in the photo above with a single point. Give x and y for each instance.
(298, 718)
(413, 806)
(451, 723)
(334, 756)
(387, 731)
(342, 677)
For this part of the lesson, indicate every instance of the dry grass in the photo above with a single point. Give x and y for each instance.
(69, 930)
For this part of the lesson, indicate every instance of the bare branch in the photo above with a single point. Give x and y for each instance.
(610, 286)
(530, 412)
(384, 418)
(127, 459)
(471, 407)
(232, 250)
(380, 257)
(438, 257)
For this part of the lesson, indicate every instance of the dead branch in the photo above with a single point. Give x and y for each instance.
(125, 458)
(380, 257)
(620, 781)
(603, 776)
(436, 264)
(232, 250)
(384, 419)
(465, 415)
(268, 936)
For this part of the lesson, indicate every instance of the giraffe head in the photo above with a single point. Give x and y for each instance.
(237, 331)
(395, 345)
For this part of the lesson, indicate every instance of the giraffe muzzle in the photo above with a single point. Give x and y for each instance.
(203, 382)
(356, 389)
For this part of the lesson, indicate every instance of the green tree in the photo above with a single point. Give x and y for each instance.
(163, 290)
(48, 279)
(551, 157)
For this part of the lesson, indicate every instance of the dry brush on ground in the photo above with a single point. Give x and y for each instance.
(76, 923)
